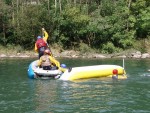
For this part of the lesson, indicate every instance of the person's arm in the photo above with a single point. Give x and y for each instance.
(45, 35)
(62, 69)
(35, 48)
(39, 62)
(53, 60)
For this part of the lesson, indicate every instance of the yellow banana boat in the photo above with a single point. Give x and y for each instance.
(94, 72)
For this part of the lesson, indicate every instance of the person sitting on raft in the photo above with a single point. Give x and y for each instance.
(47, 62)
(41, 43)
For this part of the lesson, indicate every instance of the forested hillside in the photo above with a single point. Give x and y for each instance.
(106, 26)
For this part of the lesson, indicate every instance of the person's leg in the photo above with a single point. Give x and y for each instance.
(54, 68)
(41, 51)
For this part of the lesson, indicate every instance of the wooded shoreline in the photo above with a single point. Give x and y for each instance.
(77, 54)
(83, 25)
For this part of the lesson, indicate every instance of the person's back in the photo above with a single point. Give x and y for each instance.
(45, 62)
(41, 43)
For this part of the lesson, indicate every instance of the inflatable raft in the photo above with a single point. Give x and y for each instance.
(76, 73)
(34, 71)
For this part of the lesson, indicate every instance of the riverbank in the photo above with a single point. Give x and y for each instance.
(74, 54)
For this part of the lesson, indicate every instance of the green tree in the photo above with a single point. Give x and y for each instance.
(72, 27)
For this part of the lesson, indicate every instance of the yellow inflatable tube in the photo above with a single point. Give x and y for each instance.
(93, 72)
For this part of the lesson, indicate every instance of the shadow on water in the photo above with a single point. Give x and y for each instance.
(18, 93)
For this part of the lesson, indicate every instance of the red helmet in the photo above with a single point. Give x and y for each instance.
(47, 51)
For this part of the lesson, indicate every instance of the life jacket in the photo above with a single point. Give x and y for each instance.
(45, 60)
(41, 43)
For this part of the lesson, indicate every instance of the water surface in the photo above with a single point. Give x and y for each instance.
(19, 94)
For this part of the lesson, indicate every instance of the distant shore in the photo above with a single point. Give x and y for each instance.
(76, 54)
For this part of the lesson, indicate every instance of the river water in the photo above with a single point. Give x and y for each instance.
(19, 94)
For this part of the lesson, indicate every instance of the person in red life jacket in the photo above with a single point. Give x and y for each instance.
(41, 43)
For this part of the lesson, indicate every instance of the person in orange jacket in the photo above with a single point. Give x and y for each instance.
(41, 43)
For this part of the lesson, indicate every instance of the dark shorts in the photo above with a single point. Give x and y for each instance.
(47, 67)
(41, 51)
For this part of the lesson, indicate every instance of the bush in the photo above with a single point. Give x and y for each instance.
(11, 49)
(110, 48)
(142, 45)
(84, 48)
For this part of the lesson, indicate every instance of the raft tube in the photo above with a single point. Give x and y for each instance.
(93, 72)
(35, 72)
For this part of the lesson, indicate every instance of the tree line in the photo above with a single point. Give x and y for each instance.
(105, 25)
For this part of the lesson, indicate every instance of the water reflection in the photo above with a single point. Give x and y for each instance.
(45, 94)
(18, 93)
(104, 93)
(64, 96)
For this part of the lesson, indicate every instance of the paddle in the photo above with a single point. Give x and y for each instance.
(43, 29)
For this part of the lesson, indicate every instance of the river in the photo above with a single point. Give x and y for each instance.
(19, 94)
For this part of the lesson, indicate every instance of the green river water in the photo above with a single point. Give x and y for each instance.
(19, 94)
